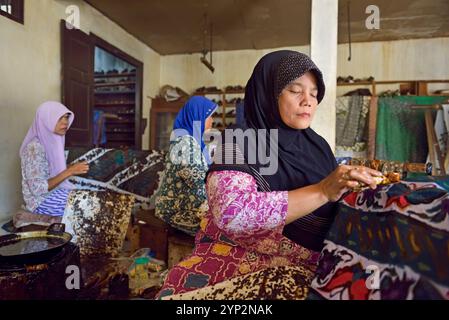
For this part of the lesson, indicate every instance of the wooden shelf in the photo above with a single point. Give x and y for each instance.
(114, 104)
(208, 93)
(118, 84)
(120, 122)
(234, 91)
(121, 132)
(125, 113)
(112, 139)
(359, 83)
(119, 144)
(114, 75)
(114, 92)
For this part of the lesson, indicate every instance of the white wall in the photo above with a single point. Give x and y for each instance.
(231, 68)
(30, 70)
(420, 59)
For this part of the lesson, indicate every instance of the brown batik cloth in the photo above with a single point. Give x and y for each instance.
(276, 283)
(98, 220)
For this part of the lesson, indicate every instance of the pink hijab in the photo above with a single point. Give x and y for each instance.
(47, 116)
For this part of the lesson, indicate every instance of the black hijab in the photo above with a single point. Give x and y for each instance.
(304, 157)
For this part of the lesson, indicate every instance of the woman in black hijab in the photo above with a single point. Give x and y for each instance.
(259, 218)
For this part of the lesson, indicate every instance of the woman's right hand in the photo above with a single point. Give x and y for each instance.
(79, 168)
(344, 178)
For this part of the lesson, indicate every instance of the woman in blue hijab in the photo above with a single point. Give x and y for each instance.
(181, 200)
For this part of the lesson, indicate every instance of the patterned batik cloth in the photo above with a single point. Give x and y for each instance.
(125, 171)
(98, 221)
(276, 283)
(241, 234)
(388, 243)
(181, 200)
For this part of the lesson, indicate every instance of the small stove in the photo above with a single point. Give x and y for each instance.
(46, 280)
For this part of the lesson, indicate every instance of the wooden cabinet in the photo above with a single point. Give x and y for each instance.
(114, 97)
(162, 117)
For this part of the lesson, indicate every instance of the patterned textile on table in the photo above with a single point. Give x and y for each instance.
(401, 131)
(351, 130)
(181, 200)
(388, 243)
(98, 221)
(126, 171)
(276, 283)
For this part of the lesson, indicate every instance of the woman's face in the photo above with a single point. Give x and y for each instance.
(63, 125)
(208, 123)
(298, 102)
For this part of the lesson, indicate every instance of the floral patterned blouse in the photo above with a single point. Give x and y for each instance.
(181, 200)
(35, 175)
(241, 233)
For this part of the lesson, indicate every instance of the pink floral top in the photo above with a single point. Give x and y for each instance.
(241, 233)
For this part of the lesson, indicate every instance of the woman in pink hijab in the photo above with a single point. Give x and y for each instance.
(44, 172)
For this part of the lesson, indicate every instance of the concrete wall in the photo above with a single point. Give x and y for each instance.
(31, 74)
(387, 60)
(419, 59)
(231, 68)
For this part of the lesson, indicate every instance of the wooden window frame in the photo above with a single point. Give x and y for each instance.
(17, 14)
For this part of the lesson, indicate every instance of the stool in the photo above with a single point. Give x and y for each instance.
(169, 244)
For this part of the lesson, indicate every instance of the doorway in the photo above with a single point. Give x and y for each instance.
(102, 85)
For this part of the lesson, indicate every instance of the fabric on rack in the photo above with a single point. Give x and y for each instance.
(98, 116)
(352, 134)
(441, 130)
(401, 132)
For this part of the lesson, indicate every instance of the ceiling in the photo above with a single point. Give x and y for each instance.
(179, 26)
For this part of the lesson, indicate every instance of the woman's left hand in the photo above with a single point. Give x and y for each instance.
(344, 178)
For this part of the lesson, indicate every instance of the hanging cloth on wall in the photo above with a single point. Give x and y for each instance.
(442, 132)
(351, 128)
(99, 132)
(401, 131)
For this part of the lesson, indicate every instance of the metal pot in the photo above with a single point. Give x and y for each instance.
(35, 246)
